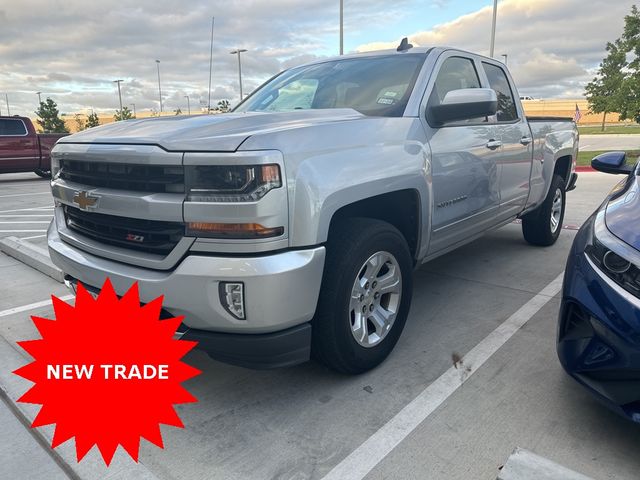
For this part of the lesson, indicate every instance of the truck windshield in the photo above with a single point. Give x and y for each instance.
(375, 86)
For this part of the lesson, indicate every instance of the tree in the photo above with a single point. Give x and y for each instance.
(630, 92)
(223, 105)
(80, 123)
(124, 114)
(178, 111)
(605, 92)
(92, 120)
(49, 118)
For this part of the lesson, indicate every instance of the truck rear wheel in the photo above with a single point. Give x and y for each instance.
(543, 225)
(42, 173)
(365, 296)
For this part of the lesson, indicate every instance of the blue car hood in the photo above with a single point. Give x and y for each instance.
(623, 214)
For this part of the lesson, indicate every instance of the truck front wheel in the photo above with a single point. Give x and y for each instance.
(365, 296)
(543, 225)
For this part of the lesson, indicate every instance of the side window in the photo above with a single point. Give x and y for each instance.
(9, 127)
(455, 73)
(298, 94)
(507, 111)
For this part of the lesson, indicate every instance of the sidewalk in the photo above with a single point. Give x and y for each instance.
(21, 456)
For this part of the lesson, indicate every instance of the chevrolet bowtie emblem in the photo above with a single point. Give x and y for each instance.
(84, 200)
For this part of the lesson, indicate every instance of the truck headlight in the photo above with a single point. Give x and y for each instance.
(231, 183)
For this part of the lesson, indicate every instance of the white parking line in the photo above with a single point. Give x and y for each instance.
(23, 231)
(27, 215)
(32, 306)
(25, 194)
(39, 209)
(365, 458)
(31, 238)
(35, 221)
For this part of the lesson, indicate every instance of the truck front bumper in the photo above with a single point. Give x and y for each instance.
(280, 296)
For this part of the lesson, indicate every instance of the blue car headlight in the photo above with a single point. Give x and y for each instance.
(613, 257)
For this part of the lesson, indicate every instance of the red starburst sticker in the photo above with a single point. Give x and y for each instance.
(107, 372)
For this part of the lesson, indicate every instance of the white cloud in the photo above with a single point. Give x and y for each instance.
(553, 46)
(73, 50)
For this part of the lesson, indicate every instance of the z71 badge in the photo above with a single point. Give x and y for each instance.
(132, 237)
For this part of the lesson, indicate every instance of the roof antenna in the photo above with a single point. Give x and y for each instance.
(404, 45)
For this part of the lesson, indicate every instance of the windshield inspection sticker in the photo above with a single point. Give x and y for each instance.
(107, 371)
(386, 101)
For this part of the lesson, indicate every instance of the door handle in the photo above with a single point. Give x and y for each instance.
(493, 144)
(526, 140)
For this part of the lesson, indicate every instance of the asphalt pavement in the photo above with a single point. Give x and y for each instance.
(416, 416)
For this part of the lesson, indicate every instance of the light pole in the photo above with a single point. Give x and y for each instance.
(159, 89)
(39, 99)
(493, 28)
(134, 109)
(119, 94)
(6, 97)
(505, 58)
(238, 51)
(210, 66)
(341, 27)
(188, 105)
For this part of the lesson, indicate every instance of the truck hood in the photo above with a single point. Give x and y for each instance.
(623, 214)
(220, 133)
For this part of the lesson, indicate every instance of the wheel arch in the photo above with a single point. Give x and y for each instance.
(386, 207)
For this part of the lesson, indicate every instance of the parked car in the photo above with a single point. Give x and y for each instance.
(599, 327)
(292, 225)
(24, 150)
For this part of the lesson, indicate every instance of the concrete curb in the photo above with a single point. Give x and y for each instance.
(92, 466)
(525, 465)
(31, 255)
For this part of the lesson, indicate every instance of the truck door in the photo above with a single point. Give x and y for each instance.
(465, 178)
(515, 155)
(18, 149)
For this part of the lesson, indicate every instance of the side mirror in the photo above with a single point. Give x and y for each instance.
(612, 162)
(465, 104)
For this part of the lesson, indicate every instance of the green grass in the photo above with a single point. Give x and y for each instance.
(584, 158)
(618, 129)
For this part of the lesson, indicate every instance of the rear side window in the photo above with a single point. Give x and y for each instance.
(498, 81)
(9, 126)
(455, 73)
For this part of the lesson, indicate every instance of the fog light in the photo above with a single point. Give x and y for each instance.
(232, 298)
(615, 263)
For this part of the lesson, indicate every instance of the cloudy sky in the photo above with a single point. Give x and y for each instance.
(73, 50)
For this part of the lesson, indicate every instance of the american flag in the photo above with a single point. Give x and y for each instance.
(578, 115)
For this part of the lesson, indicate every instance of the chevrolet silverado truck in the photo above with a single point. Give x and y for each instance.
(290, 227)
(24, 150)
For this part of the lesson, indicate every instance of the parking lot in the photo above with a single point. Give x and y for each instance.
(417, 415)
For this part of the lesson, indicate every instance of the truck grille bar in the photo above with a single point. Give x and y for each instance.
(141, 178)
(147, 235)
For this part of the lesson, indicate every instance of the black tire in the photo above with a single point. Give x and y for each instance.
(42, 173)
(350, 245)
(537, 225)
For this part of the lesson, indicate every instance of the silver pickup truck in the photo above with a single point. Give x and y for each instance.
(290, 227)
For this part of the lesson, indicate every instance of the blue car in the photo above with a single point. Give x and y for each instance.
(599, 324)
